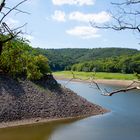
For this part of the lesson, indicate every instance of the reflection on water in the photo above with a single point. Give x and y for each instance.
(123, 122)
(33, 132)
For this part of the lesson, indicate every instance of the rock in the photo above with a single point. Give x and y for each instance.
(44, 98)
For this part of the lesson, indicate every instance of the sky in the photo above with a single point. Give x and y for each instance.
(66, 24)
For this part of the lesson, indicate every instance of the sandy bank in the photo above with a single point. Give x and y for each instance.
(100, 81)
(34, 121)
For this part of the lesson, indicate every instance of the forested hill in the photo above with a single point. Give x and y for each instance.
(61, 59)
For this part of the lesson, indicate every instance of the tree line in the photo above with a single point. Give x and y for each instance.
(18, 58)
(102, 59)
(121, 64)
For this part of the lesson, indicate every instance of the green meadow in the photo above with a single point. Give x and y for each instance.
(97, 75)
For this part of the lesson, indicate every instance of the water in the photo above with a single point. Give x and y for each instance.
(123, 122)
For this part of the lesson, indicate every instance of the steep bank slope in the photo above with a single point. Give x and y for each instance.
(23, 99)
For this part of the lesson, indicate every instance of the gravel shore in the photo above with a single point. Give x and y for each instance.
(40, 100)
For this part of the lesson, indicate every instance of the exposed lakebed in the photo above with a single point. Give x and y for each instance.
(123, 122)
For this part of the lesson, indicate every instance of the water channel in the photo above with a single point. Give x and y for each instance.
(122, 122)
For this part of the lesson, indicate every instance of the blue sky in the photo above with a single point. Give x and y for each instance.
(65, 24)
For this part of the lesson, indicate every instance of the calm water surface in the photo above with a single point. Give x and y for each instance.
(123, 122)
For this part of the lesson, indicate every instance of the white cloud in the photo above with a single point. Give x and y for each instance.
(101, 17)
(12, 23)
(73, 2)
(84, 32)
(59, 16)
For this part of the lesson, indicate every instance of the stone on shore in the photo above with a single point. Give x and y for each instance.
(23, 99)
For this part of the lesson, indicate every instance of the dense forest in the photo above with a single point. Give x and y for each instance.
(122, 60)
(18, 58)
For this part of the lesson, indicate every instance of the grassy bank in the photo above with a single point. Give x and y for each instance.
(98, 75)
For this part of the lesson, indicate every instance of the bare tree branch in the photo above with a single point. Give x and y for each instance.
(12, 10)
(92, 82)
(126, 12)
(19, 27)
(118, 27)
(10, 38)
(128, 2)
(73, 77)
(2, 5)
(125, 17)
(5, 29)
(18, 10)
(120, 90)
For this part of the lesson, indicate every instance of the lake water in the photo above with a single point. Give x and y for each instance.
(123, 122)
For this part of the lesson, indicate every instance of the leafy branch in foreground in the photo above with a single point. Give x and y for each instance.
(19, 59)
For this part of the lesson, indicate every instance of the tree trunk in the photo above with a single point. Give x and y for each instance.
(1, 46)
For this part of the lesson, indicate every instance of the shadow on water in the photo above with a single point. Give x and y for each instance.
(42, 131)
(10, 86)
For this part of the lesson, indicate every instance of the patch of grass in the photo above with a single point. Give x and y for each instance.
(98, 75)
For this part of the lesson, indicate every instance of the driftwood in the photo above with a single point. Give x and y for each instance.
(120, 90)
(135, 85)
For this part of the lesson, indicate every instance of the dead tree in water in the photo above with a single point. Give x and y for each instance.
(135, 85)
(126, 16)
(5, 30)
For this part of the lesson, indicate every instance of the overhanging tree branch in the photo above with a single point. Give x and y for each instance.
(135, 85)
(12, 10)
(120, 90)
(126, 17)
(18, 10)
(127, 2)
(2, 5)
(4, 28)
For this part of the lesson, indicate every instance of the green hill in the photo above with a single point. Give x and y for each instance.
(63, 59)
